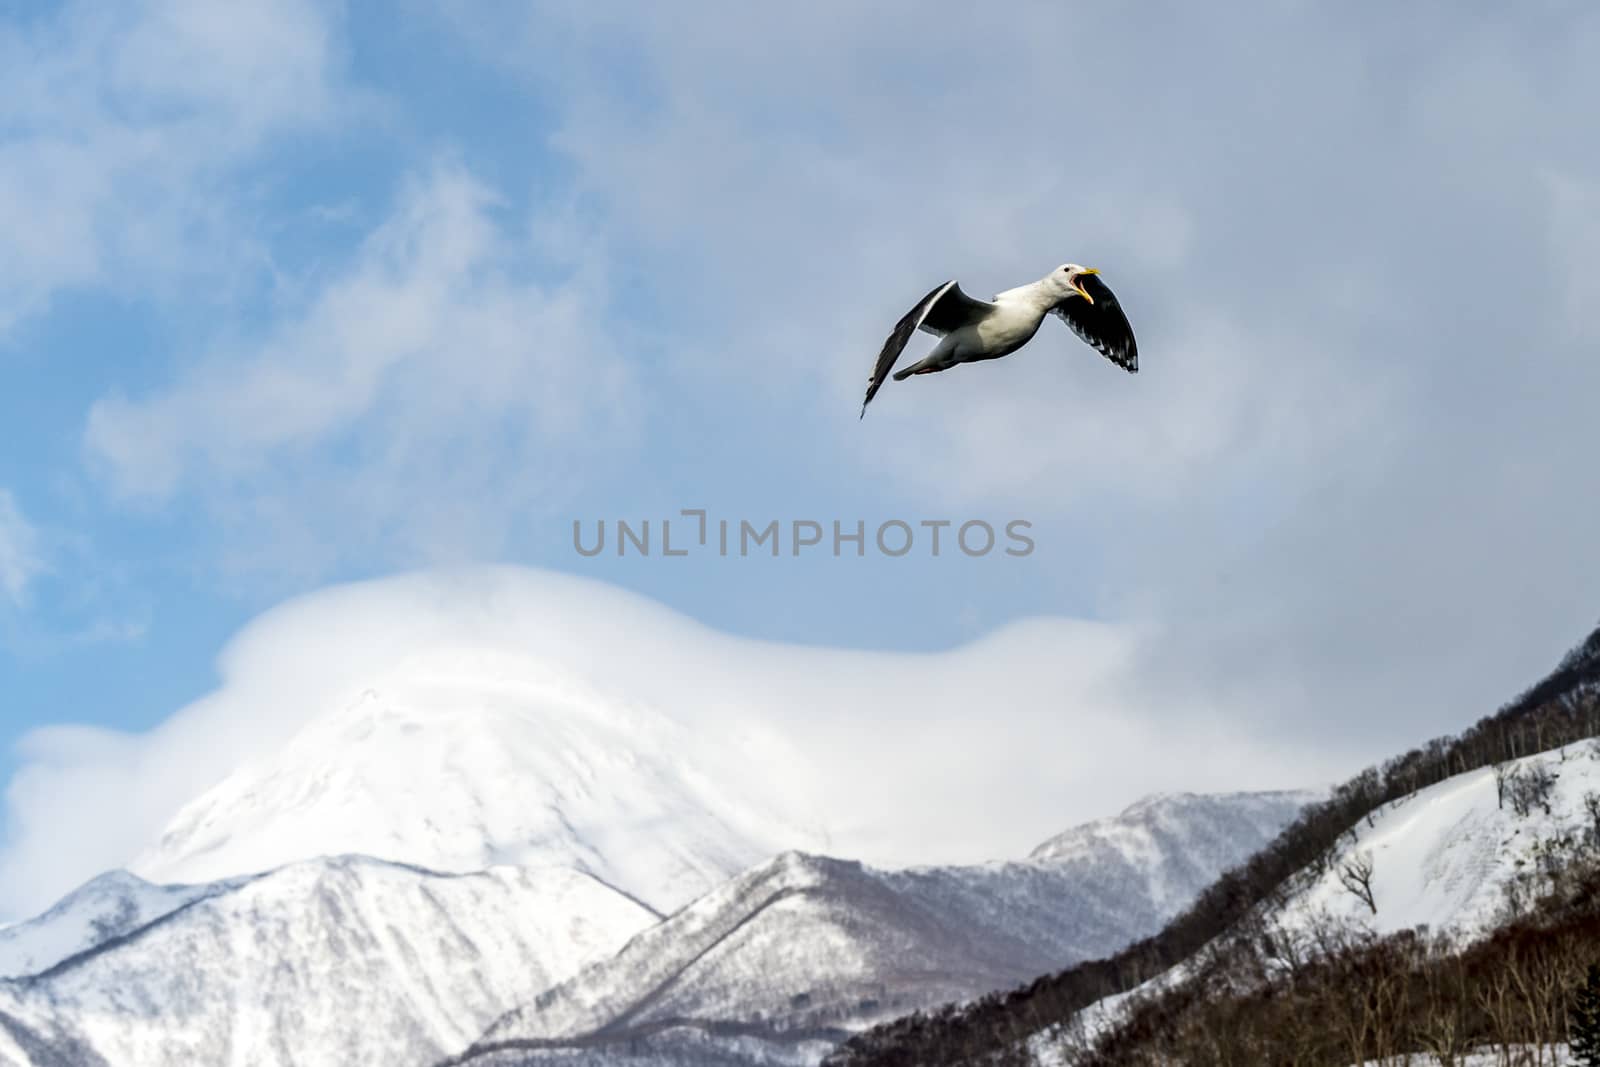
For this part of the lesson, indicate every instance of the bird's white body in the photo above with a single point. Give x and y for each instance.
(1013, 322)
(1012, 319)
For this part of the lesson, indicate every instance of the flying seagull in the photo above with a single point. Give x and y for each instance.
(970, 330)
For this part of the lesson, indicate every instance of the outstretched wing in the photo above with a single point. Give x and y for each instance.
(945, 309)
(1102, 323)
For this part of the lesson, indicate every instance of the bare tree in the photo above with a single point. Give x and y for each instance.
(1495, 999)
(1530, 788)
(1355, 874)
(1443, 1025)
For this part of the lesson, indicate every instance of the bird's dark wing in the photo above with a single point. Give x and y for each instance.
(945, 309)
(952, 309)
(1102, 323)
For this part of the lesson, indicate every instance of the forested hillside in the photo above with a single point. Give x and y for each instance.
(1561, 709)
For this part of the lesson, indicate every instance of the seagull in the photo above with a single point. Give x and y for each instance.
(970, 330)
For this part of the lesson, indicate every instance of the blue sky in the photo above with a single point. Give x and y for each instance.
(312, 292)
(127, 596)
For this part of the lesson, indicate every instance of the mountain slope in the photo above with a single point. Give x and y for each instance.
(786, 960)
(1166, 848)
(1484, 912)
(462, 760)
(360, 961)
(1456, 859)
(1447, 883)
(110, 906)
(332, 961)
(1450, 856)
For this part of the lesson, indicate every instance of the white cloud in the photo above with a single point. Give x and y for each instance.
(846, 173)
(975, 753)
(118, 124)
(431, 370)
(21, 559)
(1359, 286)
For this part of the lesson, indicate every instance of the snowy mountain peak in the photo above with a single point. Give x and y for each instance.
(1172, 844)
(326, 962)
(373, 961)
(462, 759)
(107, 907)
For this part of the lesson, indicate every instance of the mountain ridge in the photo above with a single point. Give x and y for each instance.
(931, 914)
(424, 959)
(1561, 709)
(465, 760)
(785, 960)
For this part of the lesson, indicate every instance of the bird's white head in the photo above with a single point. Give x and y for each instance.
(1067, 280)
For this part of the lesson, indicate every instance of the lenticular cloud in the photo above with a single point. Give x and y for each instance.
(541, 717)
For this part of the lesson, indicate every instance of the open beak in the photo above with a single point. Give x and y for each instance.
(1081, 290)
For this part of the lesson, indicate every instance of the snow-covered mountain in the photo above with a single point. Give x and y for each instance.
(788, 959)
(114, 904)
(333, 961)
(464, 759)
(1450, 858)
(353, 960)
(468, 835)
(1164, 849)
(1446, 857)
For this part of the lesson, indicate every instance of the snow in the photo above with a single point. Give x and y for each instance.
(478, 826)
(1443, 857)
(327, 962)
(109, 906)
(460, 759)
(360, 960)
(804, 944)
(803, 926)
(464, 759)
(1551, 1056)
(1165, 840)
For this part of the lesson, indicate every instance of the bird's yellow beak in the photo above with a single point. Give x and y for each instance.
(1081, 290)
